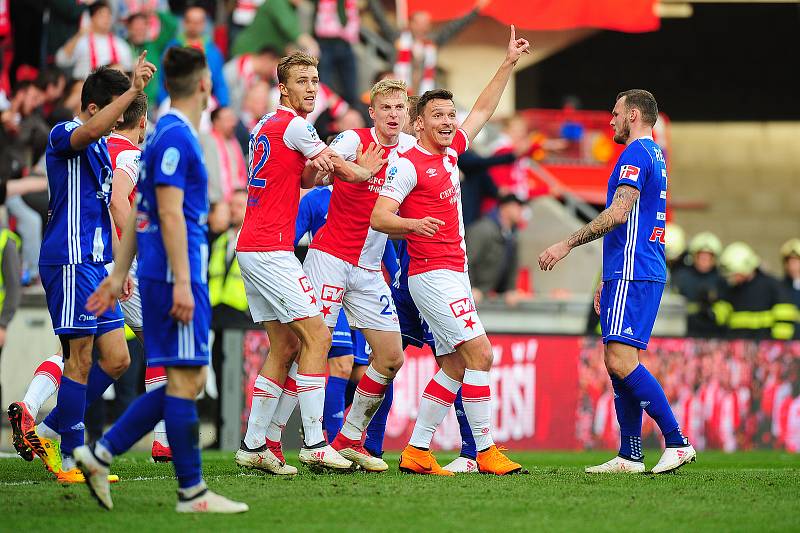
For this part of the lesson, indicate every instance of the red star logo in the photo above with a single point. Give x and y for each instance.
(469, 323)
(313, 299)
(326, 310)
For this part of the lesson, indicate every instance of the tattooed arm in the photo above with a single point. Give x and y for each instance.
(613, 216)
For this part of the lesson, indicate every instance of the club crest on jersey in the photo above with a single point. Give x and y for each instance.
(658, 235)
(305, 284)
(332, 293)
(629, 172)
(462, 307)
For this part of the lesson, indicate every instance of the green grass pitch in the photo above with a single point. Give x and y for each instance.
(753, 491)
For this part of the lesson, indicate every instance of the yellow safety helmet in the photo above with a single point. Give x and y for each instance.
(790, 247)
(738, 258)
(705, 242)
(674, 241)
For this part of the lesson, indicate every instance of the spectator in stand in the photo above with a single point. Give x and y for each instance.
(674, 248)
(10, 293)
(95, 46)
(244, 71)
(53, 81)
(140, 38)
(336, 28)
(477, 186)
(225, 163)
(151, 9)
(64, 20)
(754, 305)
(701, 283)
(790, 252)
(493, 247)
(417, 46)
(195, 35)
(243, 14)
(256, 104)
(276, 24)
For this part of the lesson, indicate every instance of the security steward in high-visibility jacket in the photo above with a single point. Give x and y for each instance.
(701, 283)
(790, 253)
(754, 305)
(225, 285)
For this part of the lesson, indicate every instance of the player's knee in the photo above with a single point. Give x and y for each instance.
(118, 364)
(614, 364)
(394, 361)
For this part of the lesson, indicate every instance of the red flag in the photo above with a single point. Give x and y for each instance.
(620, 15)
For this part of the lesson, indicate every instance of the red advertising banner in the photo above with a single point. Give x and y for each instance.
(534, 384)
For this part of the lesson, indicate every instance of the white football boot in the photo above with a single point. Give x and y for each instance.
(264, 460)
(462, 465)
(96, 475)
(325, 458)
(210, 502)
(617, 465)
(674, 458)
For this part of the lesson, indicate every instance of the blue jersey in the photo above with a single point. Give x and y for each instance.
(173, 157)
(634, 251)
(78, 222)
(401, 281)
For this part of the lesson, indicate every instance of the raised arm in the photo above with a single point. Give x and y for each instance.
(487, 102)
(105, 119)
(615, 215)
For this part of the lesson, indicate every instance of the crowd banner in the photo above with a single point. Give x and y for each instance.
(553, 392)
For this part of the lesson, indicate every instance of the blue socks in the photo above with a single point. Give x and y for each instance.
(183, 431)
(468, 448)
(645, 389)
(377, 426)
(137, 420)
(72, 399)
(333, 413)
(629, 416)
(96, 384)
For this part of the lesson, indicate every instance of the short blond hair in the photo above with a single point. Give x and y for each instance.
(297, 59)
(387, 87)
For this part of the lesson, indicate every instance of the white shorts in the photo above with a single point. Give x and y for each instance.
(132, 307)
(364, 294)
(444, 299)
(276, 287)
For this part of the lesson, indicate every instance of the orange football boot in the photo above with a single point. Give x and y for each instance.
(416, 461)
(493, 461)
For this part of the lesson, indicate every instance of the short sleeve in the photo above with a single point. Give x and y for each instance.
(60, 137)
(128, 162)
(401, 178)
(460, 142)
(634, 164)
(346, 144)
(300, 135)
(171, 164)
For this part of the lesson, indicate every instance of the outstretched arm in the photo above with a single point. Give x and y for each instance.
(487, 102)
(611, 217)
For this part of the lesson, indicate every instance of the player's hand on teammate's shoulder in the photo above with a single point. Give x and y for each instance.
(516, 47)
(426, 227)
(372, 158)
(182, 302)
(105, 296)
(554, 254)
(142, 73)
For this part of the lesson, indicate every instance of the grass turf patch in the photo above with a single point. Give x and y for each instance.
(744, 491)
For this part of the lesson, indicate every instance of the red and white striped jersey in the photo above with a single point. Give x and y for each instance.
(346, 233)
(280, 144)
(428, 184)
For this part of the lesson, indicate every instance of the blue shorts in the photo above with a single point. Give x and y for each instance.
(342, 343)
(628, 311)
(166, 341)
(67, 287)
(361, 349)
(413, 328)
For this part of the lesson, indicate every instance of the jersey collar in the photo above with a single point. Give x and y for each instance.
(180, 115)
(78, 120)
(287, 109)
(378, 142)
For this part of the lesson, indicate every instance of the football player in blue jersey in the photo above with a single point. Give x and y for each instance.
(634, 275)
(77, 245)
(171, 234)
